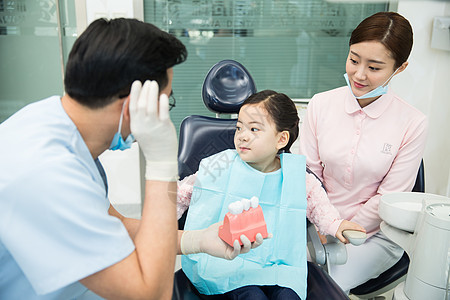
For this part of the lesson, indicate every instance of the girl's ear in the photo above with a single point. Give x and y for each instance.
(283, 139)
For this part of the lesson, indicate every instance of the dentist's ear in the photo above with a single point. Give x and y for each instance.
(126, 110)
(283, 140)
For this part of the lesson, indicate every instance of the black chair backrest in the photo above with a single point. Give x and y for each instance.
(201, 137)
(419, 186)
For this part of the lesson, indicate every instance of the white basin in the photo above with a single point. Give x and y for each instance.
(401, 210)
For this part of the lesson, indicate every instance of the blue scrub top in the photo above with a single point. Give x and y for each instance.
(54, 223)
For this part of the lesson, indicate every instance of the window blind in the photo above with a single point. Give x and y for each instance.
(295, 47)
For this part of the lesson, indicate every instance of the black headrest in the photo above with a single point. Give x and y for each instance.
(226, 87)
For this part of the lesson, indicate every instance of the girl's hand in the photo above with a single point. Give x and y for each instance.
(347, 225)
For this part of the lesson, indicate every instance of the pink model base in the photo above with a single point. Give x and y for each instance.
(249, 223)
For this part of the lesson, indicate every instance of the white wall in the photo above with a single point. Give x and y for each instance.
(426, 85)
(125, 185)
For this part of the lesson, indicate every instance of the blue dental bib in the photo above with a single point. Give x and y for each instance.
(224, 178)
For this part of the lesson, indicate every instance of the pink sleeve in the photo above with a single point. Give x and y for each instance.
(319, 210)
(399, 178)
(184, 193)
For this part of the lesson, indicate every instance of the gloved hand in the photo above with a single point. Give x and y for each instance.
(154, 131)
(208, 241)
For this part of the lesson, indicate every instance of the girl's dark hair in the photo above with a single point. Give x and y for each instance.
(111, 54)
(389, 28)
(281, 109)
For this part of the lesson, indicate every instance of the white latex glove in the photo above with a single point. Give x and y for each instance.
(154, 131)
(208, 241)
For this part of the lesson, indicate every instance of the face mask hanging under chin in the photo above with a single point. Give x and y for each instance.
(118, 143)
(381, 90)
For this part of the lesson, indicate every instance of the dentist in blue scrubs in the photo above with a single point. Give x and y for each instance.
(60, 238)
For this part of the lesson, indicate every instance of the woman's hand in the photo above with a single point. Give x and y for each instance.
(347, 225)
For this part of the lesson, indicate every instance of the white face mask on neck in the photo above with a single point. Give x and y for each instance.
(118, 143)
(381, 90)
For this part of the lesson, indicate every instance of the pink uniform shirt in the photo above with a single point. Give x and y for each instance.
(362, 153)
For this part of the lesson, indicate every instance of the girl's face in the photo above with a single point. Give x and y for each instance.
(368, 66)
(256, 139)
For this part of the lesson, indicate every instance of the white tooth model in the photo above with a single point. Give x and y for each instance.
(246, 203)
(238, 207)
(254, 202)
(244, 217)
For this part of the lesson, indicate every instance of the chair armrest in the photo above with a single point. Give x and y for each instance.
(315, 246)
(333, 252)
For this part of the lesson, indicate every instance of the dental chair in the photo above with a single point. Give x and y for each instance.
(225, 88)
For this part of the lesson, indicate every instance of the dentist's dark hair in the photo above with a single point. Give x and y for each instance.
(281, 109)
(389, 28)
(111, 54)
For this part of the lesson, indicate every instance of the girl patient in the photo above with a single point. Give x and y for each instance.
(260, 166)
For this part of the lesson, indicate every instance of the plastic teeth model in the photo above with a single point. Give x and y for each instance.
(243, 217)
(238, 207)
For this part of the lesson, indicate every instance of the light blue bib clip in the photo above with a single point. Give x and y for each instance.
(224, 178)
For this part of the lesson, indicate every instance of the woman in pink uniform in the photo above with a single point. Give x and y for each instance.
(363, 141)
